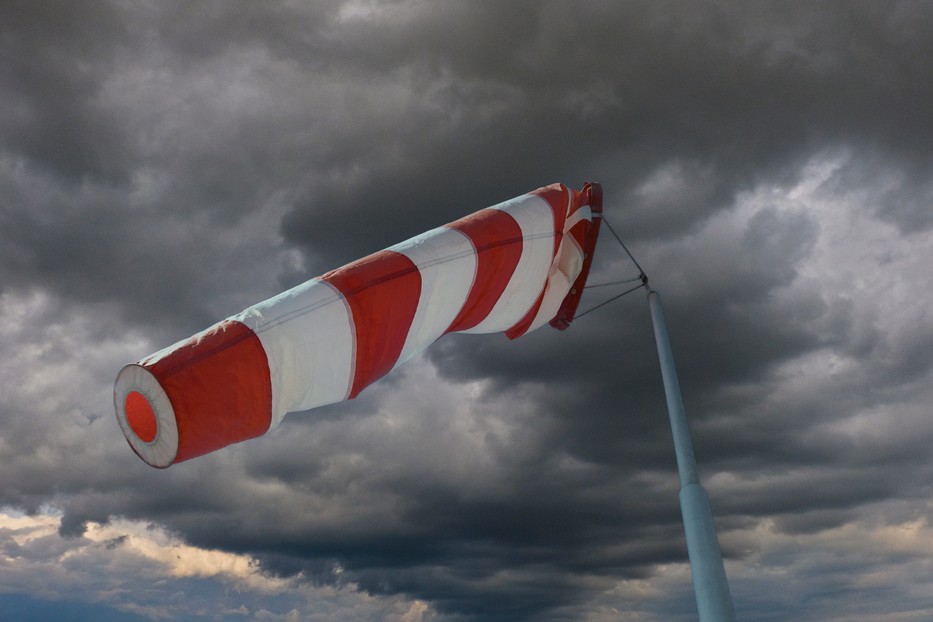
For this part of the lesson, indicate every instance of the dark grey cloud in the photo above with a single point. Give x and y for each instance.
(163, 167)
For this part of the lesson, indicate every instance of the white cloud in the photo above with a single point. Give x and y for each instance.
(140, 568)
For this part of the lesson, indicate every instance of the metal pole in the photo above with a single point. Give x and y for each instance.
(714, 602)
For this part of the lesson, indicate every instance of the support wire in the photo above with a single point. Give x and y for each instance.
(605, 302)
(642, 277)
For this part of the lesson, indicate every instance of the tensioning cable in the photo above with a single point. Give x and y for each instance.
(642, 278)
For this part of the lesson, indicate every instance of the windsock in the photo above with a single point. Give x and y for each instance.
(508, 268)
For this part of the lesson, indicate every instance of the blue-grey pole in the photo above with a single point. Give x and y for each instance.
(714, 602)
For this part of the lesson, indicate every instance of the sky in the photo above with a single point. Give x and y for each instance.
(166, 165)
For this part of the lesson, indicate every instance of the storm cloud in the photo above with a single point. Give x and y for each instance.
(164, 166)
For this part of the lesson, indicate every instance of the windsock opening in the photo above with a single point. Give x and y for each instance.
(140, 416)
(146, 416)
(592, 193)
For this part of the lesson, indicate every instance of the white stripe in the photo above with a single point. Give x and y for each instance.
(536, 220)
(446, 260)
(307, 333)
(584, 213)
(566, 267)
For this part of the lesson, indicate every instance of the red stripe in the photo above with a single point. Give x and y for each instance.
(498, 242)
(382, 291)
(219, 386)
(521, 327)
(578, 232)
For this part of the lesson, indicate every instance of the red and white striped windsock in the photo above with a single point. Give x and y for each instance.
(509, 268)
